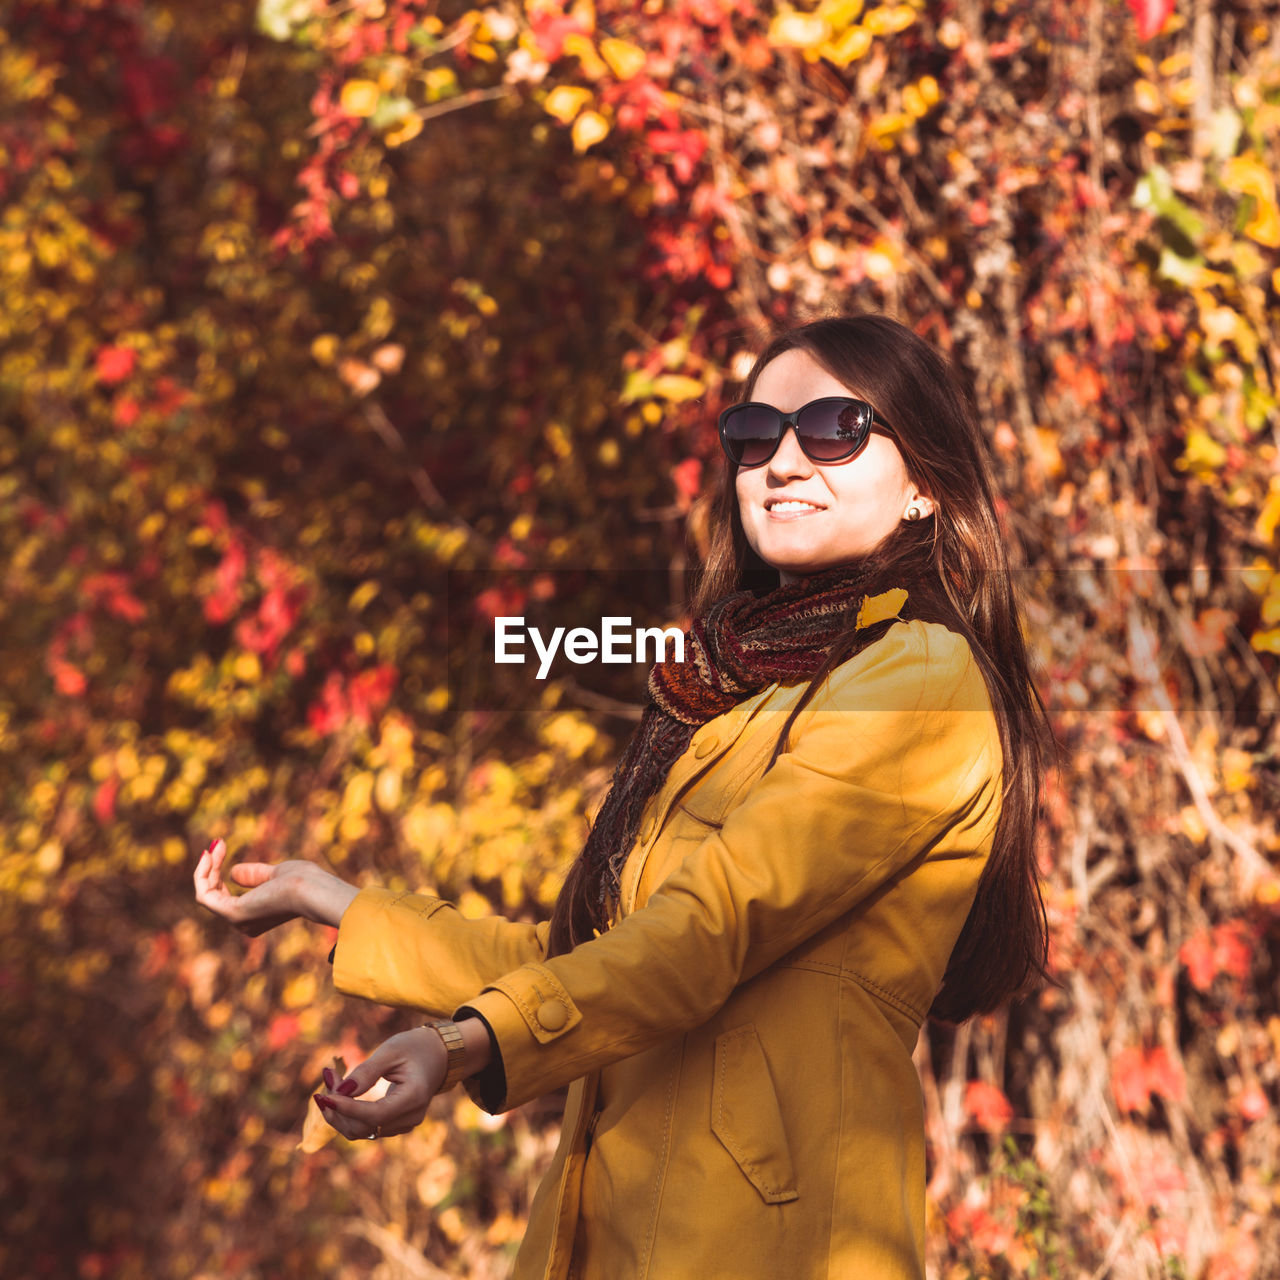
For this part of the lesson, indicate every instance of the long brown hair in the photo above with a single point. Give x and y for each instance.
(956, 563)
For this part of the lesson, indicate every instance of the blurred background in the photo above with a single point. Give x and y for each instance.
(310, 310)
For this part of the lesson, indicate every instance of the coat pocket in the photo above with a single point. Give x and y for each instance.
(745, 1115)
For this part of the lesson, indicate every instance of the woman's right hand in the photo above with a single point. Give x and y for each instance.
(278, 892)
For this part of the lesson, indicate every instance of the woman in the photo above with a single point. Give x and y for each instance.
(820, 833)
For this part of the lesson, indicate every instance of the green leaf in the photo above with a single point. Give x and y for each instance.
(279, 19)
(639, 386)
(390, 111)
(1154, 191)
(1179, 270)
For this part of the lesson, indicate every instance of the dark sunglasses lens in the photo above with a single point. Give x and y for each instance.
(751, 434)
(833, 429)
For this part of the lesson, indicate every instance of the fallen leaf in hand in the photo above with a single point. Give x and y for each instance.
(317, 1132)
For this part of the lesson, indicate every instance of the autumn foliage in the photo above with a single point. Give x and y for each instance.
(312, 314)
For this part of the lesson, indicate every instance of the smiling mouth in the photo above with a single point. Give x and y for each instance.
(790, 506)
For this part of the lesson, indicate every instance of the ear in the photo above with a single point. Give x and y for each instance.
(920, 501)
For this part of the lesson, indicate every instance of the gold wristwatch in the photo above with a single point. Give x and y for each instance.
(456, 1048)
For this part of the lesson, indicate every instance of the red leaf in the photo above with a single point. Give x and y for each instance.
(104, 800)
(1207, 635)
(987, 1105)
(1129, 1081)
(284, 1027)
(114, 364)
(1197, 954)
(327, 714)
(1151, 15)
(1138, 1074)
(1252, 1103)
(126, 412)
(688, 480)
(370, 691)
(67, 679)
(1231, 950)
(1164, 1076)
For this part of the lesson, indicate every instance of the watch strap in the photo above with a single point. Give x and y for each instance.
(455, 1047)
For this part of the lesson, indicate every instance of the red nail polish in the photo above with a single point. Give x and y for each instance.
(329, 1078)
(347, 1087)
(325, 1104)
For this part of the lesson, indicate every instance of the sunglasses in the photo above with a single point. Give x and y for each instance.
(829, 430)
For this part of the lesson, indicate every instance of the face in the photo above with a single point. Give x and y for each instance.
(801, 516)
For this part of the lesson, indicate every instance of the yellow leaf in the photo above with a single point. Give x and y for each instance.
(1237, 769)
(360, 97)
(409, 130)
(823, 254)
(1269, 516)
(889, 19)
(317, 1132)
(49, 857)
(324, 349)
(357, 796)
(1247, 176)
(676, 387)
(566, 100)
(839, 13)
(798, 31)
(1203, 452)
(1147, 97)
(246, 668)
(387, 790)
(1266, 641)
(1192, 824)
(884, 127)
(888, 604)
(625, 60)
(849, 47)
(588, 129)
(577, 45)
(298, 991)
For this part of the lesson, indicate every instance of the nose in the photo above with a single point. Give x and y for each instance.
(789, 460)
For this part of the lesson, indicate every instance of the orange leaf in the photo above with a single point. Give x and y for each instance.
(987, 1105)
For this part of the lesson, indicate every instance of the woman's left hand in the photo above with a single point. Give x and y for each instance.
(414, 1062)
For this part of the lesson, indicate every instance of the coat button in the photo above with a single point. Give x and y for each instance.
(552, 1015)
(706, 747)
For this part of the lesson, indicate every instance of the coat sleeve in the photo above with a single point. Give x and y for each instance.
(410, 949)
(899, 746)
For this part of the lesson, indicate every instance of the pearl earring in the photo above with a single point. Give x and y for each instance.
(914, 512)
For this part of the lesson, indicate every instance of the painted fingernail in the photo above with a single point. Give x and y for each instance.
(325, 1104)
(329, 1078)
(347, 1087)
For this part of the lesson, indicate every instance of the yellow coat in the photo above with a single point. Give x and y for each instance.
(742, 1100)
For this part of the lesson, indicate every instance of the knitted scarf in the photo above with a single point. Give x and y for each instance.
(742, 644)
